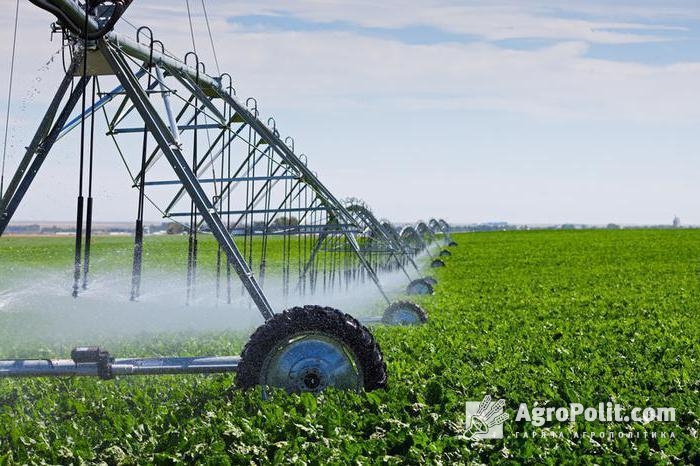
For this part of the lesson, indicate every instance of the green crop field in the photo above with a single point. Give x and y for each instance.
(162, 252)
(545, 318)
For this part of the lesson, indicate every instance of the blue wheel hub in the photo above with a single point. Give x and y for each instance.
(311, 362)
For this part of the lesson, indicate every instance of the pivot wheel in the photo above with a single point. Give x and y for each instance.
(431, 280)
(445, 253)
(437, 263)
(452, 244)
(404, 313)
(311, 348)
(420, 286)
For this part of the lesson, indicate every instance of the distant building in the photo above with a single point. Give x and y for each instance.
(676, 222)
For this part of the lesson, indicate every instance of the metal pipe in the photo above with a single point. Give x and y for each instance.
(218, 180)
(258, 211)
(45, 368)
(137, 366)
(180, 128)
(175, 365)
(317, 231)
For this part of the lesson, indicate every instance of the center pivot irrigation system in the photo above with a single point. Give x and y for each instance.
(234, 177)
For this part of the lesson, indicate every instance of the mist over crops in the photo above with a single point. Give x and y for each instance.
(38, 297)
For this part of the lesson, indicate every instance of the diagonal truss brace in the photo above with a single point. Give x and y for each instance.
(44, 138)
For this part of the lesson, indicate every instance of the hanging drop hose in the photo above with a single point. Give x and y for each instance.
(228, 206)
(298, 235)
(251, 206)
(137, 264)
(88, 221)
(248, 216)
(264, 243)
(250, 202)
(325, 259)
(331, 262)
(284, 243)
(220, 198)
(79, 209)
(192, 236)
(267, 186)
(307, 232)
(334, 258)
(221, 206)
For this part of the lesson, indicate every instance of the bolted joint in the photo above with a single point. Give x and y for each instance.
(94, 355)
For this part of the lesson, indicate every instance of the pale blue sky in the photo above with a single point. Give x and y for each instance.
(520, 111)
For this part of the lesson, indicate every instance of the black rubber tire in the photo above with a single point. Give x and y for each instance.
(431, 280)
(422, 315)
(331, 322)
(452, 244)
(445, 253)
(419, 282)
(437, 263)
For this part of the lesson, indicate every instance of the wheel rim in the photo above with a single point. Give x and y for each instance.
(311, 362)
(403, 315)
(431, 280)
(420, 288)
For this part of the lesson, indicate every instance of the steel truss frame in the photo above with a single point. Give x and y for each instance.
(119, 54)
(382, 240)
(117, 51)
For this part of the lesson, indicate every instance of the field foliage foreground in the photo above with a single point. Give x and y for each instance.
(543, 318)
